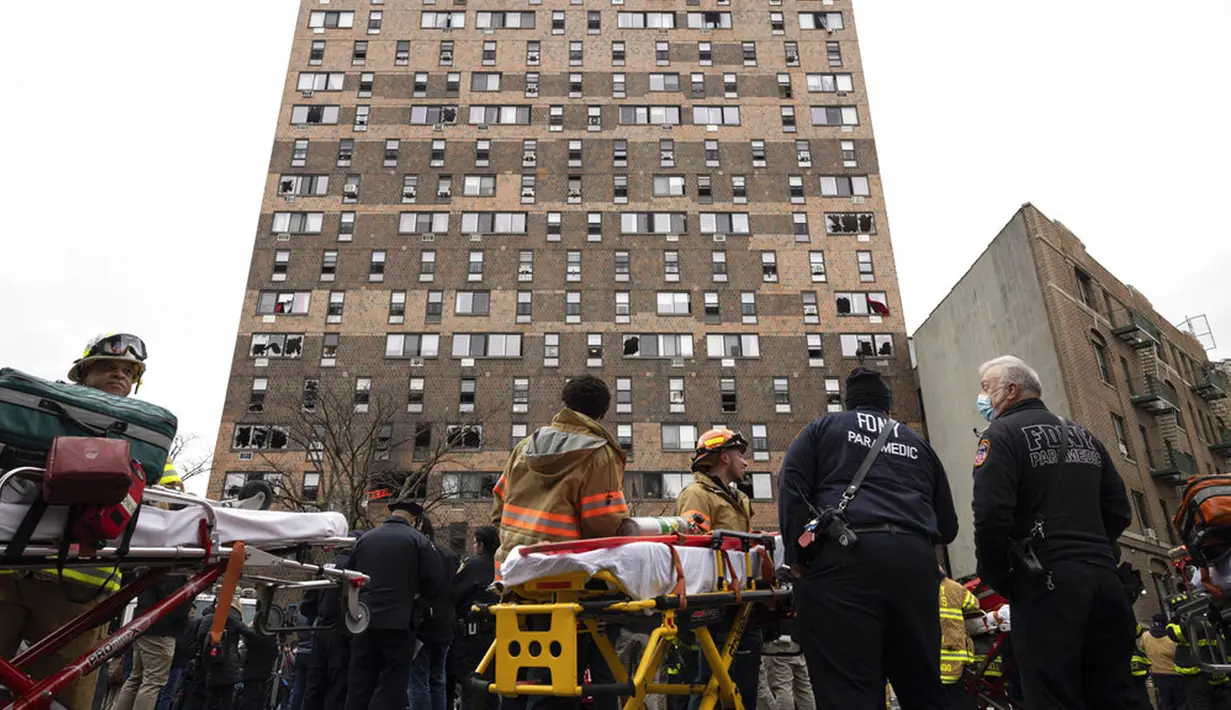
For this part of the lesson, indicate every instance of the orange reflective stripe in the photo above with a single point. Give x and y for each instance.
(612, 499)
(540, 521)
(602, 497)
(498, 490)
(619, 507)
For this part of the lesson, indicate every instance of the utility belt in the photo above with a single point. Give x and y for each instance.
(887, 529)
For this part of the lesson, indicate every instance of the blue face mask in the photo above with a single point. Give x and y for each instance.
(985, 407)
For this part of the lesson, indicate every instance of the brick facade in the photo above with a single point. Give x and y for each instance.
(353, 227)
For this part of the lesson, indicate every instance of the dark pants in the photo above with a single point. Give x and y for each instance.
(211, 697)
(328, 670)
(1200, 692)
(465, 653)
(300, 681)
(869, 614)
(588, 656)
(1073, 643)
(167, 695)
(255, 695)
(1172, 692)
(379, 670)
(745, 669)
(959, 699)
(427, 677)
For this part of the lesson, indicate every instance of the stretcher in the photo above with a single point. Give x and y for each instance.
(553, 593)
(200, 541)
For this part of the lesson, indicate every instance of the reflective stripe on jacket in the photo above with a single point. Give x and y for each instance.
(1140, 662)
(563, 482)
(956, 647)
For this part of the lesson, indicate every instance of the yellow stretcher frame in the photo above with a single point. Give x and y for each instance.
(568, 603)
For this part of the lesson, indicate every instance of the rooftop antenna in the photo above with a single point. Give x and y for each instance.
(1199, 328)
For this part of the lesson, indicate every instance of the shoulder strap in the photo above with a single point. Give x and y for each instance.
(849, 494)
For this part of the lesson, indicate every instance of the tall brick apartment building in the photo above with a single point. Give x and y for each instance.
(469, 202)
(1107, 359)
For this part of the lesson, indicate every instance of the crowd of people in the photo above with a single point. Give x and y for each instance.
(863, 503)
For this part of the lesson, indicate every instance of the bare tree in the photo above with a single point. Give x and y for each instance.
(357, 446)
(188, 467)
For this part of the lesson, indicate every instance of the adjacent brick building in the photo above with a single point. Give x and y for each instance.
(684, 200)
(1145, 388)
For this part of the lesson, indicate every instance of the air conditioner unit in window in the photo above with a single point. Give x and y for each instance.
(350, 190)
(858, 200)
(792, 58)
(416, 362)
(284, 237)
(527, 192)
(307, 93)
(528, 159)
(410, 193)
(596, 120)
(429, 237)
(707, 31)
(720, 238)
(805, 159)
(533, 57)
(444, 192)
(667, 157)
(574, 194)
(476, 237)
(532, 92)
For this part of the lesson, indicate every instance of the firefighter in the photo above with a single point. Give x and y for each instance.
(866, 605)
(34, 604)
(1160, 649)
(565, 482)
(956, 646)
(714, 501)
(1048, 507)
(1139, 665)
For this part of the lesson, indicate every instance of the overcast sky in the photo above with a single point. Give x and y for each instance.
(137, 144)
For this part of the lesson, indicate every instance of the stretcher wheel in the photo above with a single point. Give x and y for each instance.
(269, 625)
(358, 624)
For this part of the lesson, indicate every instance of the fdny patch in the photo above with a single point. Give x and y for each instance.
(981, 452)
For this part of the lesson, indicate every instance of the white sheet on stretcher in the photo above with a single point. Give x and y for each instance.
(644, 568)
(172, 528)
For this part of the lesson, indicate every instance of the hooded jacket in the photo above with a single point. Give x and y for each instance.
(722, 508)
(563, 482)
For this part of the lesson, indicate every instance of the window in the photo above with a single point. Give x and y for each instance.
(504, 115)
(283, 302)
(662, 53)
(551, 350)
(529, 189)
(553, 226)
(422, 442)
(715, 115)
(376, 266)
(845, 186)
(363, 393)
(833, 394)
(1143, 512)
(718, 265)
(525, 304)
(594, 22)
(555, 118)
(521, 395)
(479, 185)
(485, 81)
(850, 223)
(320, 81)
(400, 345)
(709, 20)
(346, 226)
(748, 306)
(311, 485)
(574, 86)
(785, 91)
(674, 303)
(830, 83)
(726, 393)
(397, 307)
(835, 116)
(1100, 359)
(679, 437)
(525, 265)
(675, 394)
(645, 20)
(594, 118)
(711, 307)
(776, 23)
(574, 189)
(624, 395)
(329, 265)
(259, 436)
(791, 50)
(574, 54)
(650, 115)
(618, 54)
(282, 261)
(572, 306)
(401, 55)
(359, 54)
(653, 223)
(493, 222)
(705, 189)
(795, 186)
(733, 345)
(816, 265)
(867, 345)
(427, 266)
(660, 345)
(769, 266)
(466, 397)
(434, 307)
(474, 266)
(442, 20)
(533, 53)
(276, 345)
(504, 20)
(820, 20)
(624, 437)
(621, 266)
(668, 185)
(429, 115)
(329, 348)
(1117, 423)
(864, 260)
(664, 82)
(622, 308)
(750, 53)
(464, 437)
(848, 154)
(572, 266)
(517, 433)
(365, 86)
(256, 398)
(446, 54)
(314, 115)
(490, 345)
(557, 22)
(1085, 288)
(724, 223)
(350, 189)
(858, 303)
(833, 52)
(782, 395)
(816, 350)
(423, 223)
(619, 188)
(331, 20)
(299, 156)
(316, 55)
(472, 303)
(760, 443)
(671, 265)
(811, 314)
(467, 485)
(666, 153)
(758, 154)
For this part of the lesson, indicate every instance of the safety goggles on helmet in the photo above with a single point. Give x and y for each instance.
(715, 441)
(117, 345)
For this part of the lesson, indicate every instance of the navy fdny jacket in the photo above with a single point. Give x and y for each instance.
(1016, 465)
(906, 486)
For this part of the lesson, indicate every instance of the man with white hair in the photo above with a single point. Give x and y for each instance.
(1049, 506)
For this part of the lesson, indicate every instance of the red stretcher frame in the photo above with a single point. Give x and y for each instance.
(35, 694)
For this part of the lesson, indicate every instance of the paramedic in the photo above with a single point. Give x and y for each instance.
(32, 605)
(475, 631)
(1072, 623)
(380, 657)
(868, 610)
(565, 482)
(715, 503)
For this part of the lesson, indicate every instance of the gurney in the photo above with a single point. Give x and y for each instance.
(201, 540)
(664, 584)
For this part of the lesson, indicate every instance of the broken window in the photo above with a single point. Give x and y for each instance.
(464, 436)
(864, 345)
(861, 304)
(259, 436)
(276, 345)
(850, 223)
